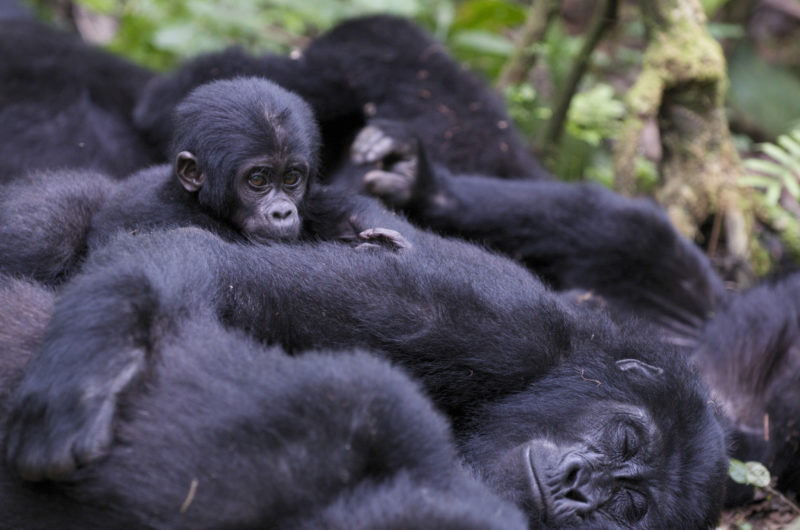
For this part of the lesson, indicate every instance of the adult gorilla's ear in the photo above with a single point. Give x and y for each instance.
(636, 366)
(189, 172)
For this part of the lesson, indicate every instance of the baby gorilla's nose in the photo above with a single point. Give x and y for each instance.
(282, 213)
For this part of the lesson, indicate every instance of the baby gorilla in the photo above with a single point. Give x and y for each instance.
(244, 154)
(247, 148)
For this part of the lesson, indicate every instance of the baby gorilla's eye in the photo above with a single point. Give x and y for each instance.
(257, 178)
(292, 178)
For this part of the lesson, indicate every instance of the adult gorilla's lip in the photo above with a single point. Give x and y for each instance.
(537, 494)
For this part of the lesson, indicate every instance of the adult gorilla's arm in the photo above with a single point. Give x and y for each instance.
(576, 236)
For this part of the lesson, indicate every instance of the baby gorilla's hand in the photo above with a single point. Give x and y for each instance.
(382, 238)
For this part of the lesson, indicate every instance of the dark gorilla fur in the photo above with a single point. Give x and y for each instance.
(376, 66)
(66, 104)
(224, 433)
(522, 376)
(48, 221)
(574, 236)
(749, 354)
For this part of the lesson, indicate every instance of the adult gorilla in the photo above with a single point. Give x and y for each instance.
(579, 422)
(575, 236)
(225, 433)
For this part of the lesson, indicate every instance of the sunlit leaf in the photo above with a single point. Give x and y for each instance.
(483, 42)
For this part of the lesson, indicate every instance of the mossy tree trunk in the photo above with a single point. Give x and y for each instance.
(682, 88)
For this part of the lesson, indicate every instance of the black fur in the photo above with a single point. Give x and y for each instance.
(49, 220)
(224, 433)
(624, 252)
(377, 66)
(515, 369)
(65, 104)
(749, 354)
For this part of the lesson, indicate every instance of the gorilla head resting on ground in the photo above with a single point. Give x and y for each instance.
(225, 433)
(581, 423)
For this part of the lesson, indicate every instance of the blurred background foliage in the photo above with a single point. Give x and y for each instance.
(761, 39)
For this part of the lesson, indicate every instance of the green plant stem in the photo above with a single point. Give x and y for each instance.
(522, 60)
(783, 498)
(604, 19)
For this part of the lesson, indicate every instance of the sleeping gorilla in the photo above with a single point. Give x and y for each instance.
(579, 422)
(225, 433)
(244, 154)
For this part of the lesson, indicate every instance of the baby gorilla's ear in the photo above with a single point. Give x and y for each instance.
(189, 172)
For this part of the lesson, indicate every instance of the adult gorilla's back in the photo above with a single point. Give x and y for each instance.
(225, 433)
(579, 422)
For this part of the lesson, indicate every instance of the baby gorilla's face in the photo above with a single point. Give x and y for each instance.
(247, 148)
(269, 192)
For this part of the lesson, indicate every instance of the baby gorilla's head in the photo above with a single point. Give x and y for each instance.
(248, 149)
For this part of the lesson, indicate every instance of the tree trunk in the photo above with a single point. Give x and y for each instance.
(682, 87)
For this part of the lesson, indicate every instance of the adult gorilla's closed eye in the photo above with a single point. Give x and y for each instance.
(229, 434)
(497, 344)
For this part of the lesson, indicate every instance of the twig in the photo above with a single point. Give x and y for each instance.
(605, 18)
(522, 60)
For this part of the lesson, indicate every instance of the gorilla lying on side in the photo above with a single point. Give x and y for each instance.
(243, 155)
(581, 423)
(749, 354)
(575, 236)
(223, 433)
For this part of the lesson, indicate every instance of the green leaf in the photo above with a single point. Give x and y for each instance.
(778, 154)
(711, 6)
(99, 6)
(791, 145)
(483, 42)
(766, 167)
(737, 471)
(758, 181)
(757, 474)
(752, 473)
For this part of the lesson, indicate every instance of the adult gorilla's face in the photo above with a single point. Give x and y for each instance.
(608, 445)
